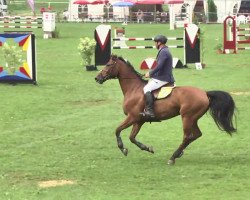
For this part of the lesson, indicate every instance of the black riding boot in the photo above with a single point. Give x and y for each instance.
(149, 111)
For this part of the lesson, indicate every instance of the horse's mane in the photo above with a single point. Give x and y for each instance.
(138, 74)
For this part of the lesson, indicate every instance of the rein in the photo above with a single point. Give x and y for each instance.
(112, 65)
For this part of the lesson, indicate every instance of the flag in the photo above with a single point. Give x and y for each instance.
(31, 4)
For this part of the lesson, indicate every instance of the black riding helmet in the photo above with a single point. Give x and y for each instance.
(160, 38)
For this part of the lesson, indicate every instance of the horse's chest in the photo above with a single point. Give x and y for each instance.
(132, 105)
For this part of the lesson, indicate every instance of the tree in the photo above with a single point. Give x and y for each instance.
(212, 11)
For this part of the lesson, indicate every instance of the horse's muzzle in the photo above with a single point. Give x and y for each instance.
(99, 79)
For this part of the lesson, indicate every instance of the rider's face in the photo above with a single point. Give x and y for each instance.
(157, 45)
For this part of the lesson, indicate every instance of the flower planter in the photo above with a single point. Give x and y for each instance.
(219, 51)
(91, 68)
(86, 49)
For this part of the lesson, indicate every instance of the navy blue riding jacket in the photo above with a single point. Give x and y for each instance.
(163, 69)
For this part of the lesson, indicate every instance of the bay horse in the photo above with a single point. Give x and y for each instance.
(189, 102)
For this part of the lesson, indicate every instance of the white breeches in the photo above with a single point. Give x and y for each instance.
(153, 84)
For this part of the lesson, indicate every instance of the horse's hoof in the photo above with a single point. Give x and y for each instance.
(171, 162)
(151, 150)
(124, 151)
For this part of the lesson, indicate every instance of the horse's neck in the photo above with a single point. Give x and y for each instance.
(129, 80)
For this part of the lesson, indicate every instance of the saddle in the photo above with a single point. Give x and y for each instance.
(164, 91)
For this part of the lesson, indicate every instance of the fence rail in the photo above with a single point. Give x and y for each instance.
(30, 22)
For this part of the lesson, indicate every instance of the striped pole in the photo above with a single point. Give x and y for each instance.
(243, 41)
(143, 39)
(30, 21)
(144, 47)
(244, 48)
(19, 17)
(18, 22)
(20, 26)
(243, 29)
(242, 35)
(133, 47)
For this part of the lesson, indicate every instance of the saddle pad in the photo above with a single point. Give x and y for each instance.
(164, 92)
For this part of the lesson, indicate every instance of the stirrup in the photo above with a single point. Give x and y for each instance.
(148, 115)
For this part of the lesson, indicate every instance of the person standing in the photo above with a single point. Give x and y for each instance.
(139, 16)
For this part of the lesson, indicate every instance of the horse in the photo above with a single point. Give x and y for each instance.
(191, 103)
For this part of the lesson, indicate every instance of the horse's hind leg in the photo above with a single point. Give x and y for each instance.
(191, 133)
(125, 124)
(135, 130)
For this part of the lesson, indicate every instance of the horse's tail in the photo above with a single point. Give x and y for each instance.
(222, 108)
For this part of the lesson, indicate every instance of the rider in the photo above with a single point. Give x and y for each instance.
(160, 75)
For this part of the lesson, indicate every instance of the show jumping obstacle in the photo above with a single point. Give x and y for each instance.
(120, 41)
(191, 44)
(45, 22)
(241, 32)
(233, 34)
(144, 39)
(24, 72)
(27, 22)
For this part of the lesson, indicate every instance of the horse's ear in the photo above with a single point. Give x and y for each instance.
(114, 57)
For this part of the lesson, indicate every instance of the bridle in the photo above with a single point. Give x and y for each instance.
(111, 68)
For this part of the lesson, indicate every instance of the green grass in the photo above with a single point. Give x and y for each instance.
(24, 9)
(63, 129)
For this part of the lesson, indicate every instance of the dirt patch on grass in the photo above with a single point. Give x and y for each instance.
(240, 93)
(87, 103)
(55, 183)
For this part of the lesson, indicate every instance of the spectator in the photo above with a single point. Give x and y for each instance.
(158, 16)
(164, 16)
(139, 16)
(65, 15)
(42, 10)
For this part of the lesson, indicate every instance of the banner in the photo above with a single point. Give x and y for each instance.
(32, 5)
(20, 67)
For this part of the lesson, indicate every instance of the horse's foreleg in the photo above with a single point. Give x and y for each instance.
(125, 124)
(135, 130)
(191, 133)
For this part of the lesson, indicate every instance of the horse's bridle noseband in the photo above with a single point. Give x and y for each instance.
(111, 68)
(112, 64)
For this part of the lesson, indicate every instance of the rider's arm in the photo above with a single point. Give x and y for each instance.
(160, 63)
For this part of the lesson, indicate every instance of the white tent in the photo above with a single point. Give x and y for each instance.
(224, 8)
(73, 11)
(95, 10)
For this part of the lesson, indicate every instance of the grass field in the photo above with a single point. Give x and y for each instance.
(63, 129)
(22, 8)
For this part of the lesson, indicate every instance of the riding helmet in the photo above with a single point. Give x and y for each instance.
(160, 38)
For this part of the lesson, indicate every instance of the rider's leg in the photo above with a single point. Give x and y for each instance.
(153, 84)
(149, 101)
